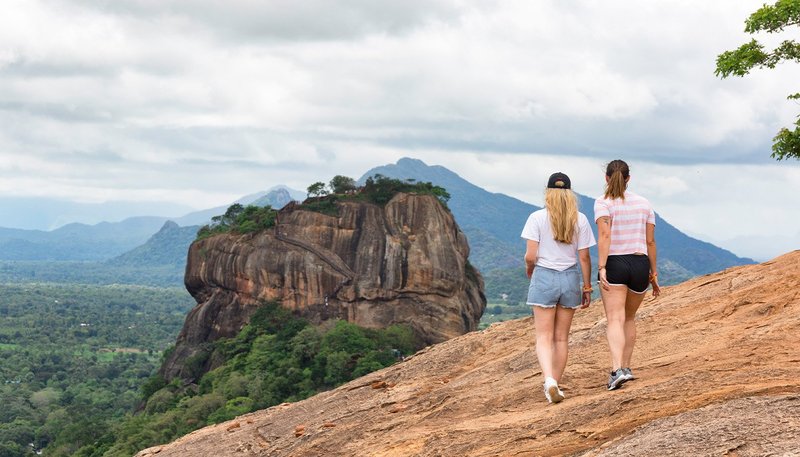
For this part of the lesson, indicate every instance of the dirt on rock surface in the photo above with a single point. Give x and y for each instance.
(717, 365)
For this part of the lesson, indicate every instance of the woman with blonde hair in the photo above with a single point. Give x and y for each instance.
(555, 234)
(626, 264)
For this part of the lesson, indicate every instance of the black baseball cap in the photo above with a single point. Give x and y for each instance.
(558, 181)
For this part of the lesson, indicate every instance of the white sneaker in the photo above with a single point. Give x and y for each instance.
(551, 391)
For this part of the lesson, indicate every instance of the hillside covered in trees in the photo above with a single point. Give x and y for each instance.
(277, 358)
(73, 359)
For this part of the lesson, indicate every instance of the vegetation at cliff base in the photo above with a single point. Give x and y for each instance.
(276, 358)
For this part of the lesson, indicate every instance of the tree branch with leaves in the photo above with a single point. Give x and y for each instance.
(739, 62)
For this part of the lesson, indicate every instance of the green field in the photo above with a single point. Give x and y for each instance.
(501, 312)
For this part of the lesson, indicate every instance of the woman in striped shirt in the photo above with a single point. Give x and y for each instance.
(626, 248)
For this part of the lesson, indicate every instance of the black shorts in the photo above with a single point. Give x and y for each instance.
(632, 270)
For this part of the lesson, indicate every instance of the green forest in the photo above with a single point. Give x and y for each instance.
(73, 359)
(84, 272)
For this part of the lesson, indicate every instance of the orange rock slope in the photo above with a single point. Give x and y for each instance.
(717, 360)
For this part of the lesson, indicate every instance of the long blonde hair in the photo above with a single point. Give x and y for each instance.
(562, 207)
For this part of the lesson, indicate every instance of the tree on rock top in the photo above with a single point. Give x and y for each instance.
(317, 190)
(342, 184)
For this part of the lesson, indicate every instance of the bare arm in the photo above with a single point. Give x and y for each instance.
(651, 255)
(603, 244)
(531, 255)
(586, 271)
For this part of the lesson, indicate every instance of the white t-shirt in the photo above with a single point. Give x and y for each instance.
(555, 254)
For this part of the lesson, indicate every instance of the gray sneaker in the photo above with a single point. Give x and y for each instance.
(616, 378)
(628, 374)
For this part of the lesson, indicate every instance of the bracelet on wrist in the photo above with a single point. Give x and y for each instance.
(653, 276)
(588, 289)
(601, 267)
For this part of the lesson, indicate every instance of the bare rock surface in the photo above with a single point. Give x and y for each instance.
(752, 426)
(718, 370)
(402, 263)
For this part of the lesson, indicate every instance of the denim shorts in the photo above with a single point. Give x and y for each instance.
(549, 287)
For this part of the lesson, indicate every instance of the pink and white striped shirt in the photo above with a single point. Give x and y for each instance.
(629, 219)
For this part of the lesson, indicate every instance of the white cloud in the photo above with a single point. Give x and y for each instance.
(204, 101)
(284, 20)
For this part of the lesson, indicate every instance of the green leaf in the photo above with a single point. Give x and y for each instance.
(774, 18)
(787, 143)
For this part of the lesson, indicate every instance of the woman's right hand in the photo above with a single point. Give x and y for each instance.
(656, 287)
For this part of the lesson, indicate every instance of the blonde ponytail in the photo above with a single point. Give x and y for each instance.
(562, 207)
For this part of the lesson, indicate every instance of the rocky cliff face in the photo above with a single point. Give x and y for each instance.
(718, 374)
(375, 266)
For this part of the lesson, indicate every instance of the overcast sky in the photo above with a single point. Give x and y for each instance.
(201, 102)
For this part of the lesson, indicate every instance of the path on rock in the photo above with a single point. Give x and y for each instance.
(718, 374)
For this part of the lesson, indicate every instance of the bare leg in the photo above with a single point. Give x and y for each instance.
(632, 302)
(544, 320)
(561, 341)
(614, 305)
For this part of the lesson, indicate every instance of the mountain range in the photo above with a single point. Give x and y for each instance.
(491, 221)
(105, 240)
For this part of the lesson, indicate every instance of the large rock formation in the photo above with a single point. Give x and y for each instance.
(718, 374)
(405, 262)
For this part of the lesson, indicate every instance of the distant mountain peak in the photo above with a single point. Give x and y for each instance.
(408, 167)
(169, 225)
(410, 161)
(277, 198)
